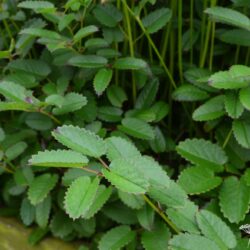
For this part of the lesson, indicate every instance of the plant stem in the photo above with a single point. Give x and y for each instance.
(151, 43)
(227, 138)
(50, 116)
(191, 29)
(103, 163)
(162, 214)
(131, 46)
(92, 171)
(180, 40)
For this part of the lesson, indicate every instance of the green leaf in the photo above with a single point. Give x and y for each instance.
(236, 36)
(160, 110)
(159, 143)
(237, 77)
(234, 199)
(216, 229)
(80, 140)
(43, 33)
(189, 93)
(61, 225)
(131, 63)
(16, 150)
(36, 235)
(102, 196)
(38, 121)
(36, 5)
(109, 114)
(107, 14)
(147, 95)
(80, 196)
(184, 217)
(27, 212)
(118, 147)
(156, 19)
(146, 217)
(192, 242)
(131, 200)
(116, 95)
(244, 97)
(126, 176)
(43, 211)
(233, 105)
(241, 131)
(59, 158)
(203, 153)
(20, 106)
(70, 103)
(157, 238)
(172, 195)
(30, 66)
(102, 80)
(15, 92)
(40, 187)
(65, 21)
(88, 61)
(210, 110)
(137, 128)
(196, 180)
(229, 16)
(85, 31)
(116, 238)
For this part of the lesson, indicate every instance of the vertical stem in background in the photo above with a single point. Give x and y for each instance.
(191, 29)
(247, 57)
(237, 53)
(131, 45)
(203, 28)
(213, 3)
(180, 67)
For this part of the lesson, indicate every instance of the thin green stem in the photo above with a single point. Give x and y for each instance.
(180, 40)
(247, 56)
(191, 29)
(50, 116)
(237, 53)
(227, 138)
(162, 214)
(131, 45)
(151, 43)
(213, 3)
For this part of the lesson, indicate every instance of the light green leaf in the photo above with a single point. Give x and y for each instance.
(131, 63)
(16, 150)
(101, 198)
(59, 158)
(203, 153)
(192, 242)
(107, 14)
(156, 19)
(160, 109)
(137, 128)
(88, 61)
(146, 217)
(229, 16)
(244, 97)
(234, 199)
(40, 187)
(216, 229)
(131, 200)
(43, 33)
(184, 217)
(237, 77)
(126, 176)
(171, 196)
(80, 140)
(210, 110)
(36, 5)
(189, 93)
(80, 196)
(102, 80)
(233, 105)
(118, 147)
(159, 143)
(196, 180)
(116, 238)
(241, 131)
(20, 106)
(157, 238)
(85, 31)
